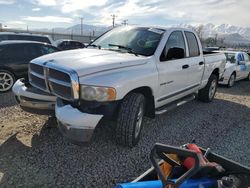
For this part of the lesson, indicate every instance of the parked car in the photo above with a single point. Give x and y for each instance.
(14, 59)
(65, 44)
(237, 68)
(126, 74)
(26, 36)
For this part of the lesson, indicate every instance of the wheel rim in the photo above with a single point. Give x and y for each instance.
(6, 81)
(232, 80)
(212, 89)
(138, 121)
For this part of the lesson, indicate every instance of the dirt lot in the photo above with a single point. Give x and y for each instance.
(33, 153)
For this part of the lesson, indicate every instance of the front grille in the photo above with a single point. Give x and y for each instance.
(36, 68)
(38, 81)
(55, 80)
(58, 75)
(37, 76)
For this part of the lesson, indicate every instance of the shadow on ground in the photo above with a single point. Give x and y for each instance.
(7, 99)
(240, 88)
(52, 161)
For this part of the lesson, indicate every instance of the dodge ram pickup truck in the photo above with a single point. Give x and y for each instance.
(126, 74)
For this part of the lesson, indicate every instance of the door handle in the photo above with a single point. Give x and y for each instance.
(185, 66)
(201, 63)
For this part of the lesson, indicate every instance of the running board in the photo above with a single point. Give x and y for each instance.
(174, 104)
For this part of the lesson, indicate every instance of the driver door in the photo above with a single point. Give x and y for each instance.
(173, 71)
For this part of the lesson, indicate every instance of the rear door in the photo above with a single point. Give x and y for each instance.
(172, 72)
(195, 61)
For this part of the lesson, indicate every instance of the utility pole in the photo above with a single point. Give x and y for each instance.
(113, 19)
(53, 31)
(27, 28)
(125, 22)
(81, 25)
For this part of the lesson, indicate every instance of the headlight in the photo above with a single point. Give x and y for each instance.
(93, 93)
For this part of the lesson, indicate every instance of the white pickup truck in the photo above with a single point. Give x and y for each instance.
(127, 73)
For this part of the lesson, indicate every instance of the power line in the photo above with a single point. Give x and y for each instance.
(113, 19)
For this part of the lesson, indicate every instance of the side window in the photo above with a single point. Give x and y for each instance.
(192, 44)
(174, 48)
(47, 50)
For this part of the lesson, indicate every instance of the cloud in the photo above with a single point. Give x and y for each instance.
(15, 23)
(36, 9)
(68, 6)
(191, 12)
(7, 2)
(46, 2)
(48, 19)
(153, 12)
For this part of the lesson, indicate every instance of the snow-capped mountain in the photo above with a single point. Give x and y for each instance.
(229, 33)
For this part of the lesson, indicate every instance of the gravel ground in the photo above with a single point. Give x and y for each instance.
(34, 154)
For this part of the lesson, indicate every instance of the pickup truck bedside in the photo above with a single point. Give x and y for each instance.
(77, 126)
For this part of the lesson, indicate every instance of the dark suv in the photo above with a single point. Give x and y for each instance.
(64, 44)
(14, 59)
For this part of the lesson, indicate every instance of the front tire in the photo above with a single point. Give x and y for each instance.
(231, 80)
(7, 80)
(129, 121)
(207, 93)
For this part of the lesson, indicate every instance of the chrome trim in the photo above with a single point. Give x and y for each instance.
(50, 65)
(44, 78)
(66, 84)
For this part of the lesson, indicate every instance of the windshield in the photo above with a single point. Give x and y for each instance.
(230, 57)
(139, 40)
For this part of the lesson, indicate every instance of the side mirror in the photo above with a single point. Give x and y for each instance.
(175, 53)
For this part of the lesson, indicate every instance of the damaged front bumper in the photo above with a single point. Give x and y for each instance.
(33, 100)
(75, 125)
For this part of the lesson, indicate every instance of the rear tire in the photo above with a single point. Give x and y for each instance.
(129, 121)
(207, 93)
(231, 80)
(7, 80)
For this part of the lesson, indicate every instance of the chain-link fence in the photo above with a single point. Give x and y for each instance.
(55, 35)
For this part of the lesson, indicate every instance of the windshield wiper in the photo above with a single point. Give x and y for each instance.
(94, 45)
(130, 50)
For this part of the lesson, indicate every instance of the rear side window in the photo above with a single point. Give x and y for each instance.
(192, 44)
(21, 52)
(4, 37)
(76, 44)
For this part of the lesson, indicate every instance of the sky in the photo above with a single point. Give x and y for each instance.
(65, 13)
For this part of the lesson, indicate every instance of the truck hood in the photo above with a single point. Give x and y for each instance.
(90, 61)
